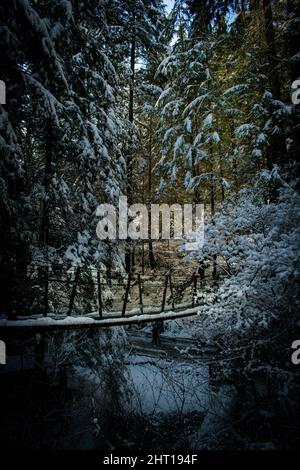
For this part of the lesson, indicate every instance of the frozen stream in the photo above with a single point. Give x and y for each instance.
(167, 396)
(160, 385)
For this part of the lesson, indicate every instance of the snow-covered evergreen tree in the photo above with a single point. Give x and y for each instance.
(62, 117)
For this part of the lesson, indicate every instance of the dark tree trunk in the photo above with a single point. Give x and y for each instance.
(293, 38)
(44, 232)
(212, 204)
(152, 261)
(129, 256)
(74, 290)
(278, 148)
(292, 42)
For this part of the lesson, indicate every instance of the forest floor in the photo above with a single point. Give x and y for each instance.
(169, 259)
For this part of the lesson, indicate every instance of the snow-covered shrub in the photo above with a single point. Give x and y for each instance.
(94, 360)
(257, 247)
(252, 312)
(93, 351)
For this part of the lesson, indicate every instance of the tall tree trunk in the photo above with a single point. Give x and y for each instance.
(150, 244)
(278, 141)
(221, 172)
(212, 205)
(293, 38)
(129, 257)
(234, 162)
(272, 54)
(292, 52)
(44, 233)
(222, 181)
(195, 167)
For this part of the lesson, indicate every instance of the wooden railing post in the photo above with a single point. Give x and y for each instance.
(126, 294)
(172, 292)
(46, 292)
(99, 294)
(140, 294)
(39, 352)
(73, 293)
(194, 291)
(165, 293)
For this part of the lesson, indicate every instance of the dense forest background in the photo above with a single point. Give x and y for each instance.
(110, 98)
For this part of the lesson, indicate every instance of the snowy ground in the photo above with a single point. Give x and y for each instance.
(164, 386)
